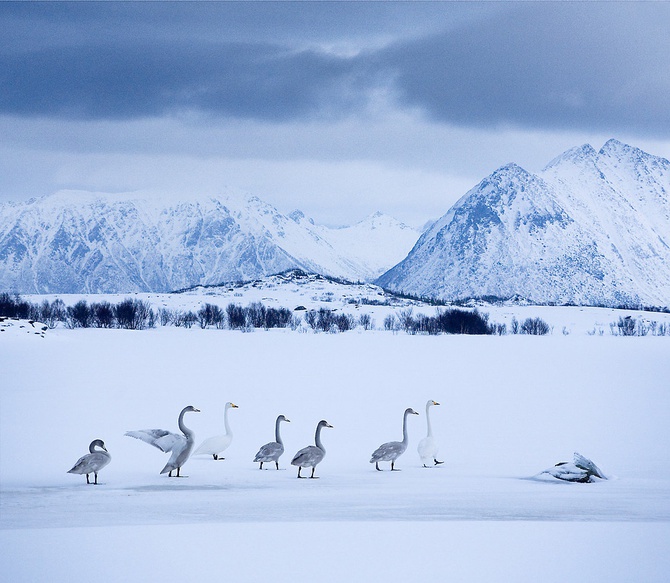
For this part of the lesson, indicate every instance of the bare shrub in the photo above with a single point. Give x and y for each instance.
(366, 322)
(535, 326)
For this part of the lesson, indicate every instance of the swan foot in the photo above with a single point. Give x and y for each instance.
(313, 477)
(437, 463)
(216, 457)
(377, 467)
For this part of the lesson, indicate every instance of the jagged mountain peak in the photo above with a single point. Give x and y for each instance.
(73, 242)
(592, 228)
(576, 155)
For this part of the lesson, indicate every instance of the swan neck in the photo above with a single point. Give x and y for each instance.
(429, 429)
(277, 436)
(225, 421)
(404, 428)
(185, 430)
(317, 438)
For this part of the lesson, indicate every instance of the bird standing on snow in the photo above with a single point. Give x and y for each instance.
(93, 461)
(179, 445)
(311, 455)
(427, 447)
(215, 445)
(271, 452)
(392, 450)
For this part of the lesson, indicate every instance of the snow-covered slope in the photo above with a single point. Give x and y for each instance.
(73, 242)
(591, 228)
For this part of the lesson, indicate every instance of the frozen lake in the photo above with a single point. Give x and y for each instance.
(511, 407)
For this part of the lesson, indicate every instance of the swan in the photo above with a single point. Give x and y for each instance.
(179, 445)
(215, 445)
(580, 470)
(311, 455)
(271, 452)
(392, 450)
(93, 461)
(427, 447)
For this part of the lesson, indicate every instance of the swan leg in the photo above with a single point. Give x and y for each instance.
(261, 466)
(313, 476)
(87, 479)
(377, 467)
(299, 468)
(216, 457)
(393, 467)
(277, 464)
(178, 472)
(96, 478)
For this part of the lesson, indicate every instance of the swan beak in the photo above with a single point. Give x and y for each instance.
(103, 447)
(287, 420)
(196, 410)
(329, 425)
(234, 406)
(435, 403)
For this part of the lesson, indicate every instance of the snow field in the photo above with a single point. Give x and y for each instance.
(510, 407)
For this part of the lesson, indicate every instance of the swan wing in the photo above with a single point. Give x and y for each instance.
(427, 449)
(269, 452)
(215, 444)
(160, 438)
(387, 451)
(92, 462)
(307, 456)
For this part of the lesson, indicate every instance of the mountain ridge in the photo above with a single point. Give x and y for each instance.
(96, 242)
(593, 227)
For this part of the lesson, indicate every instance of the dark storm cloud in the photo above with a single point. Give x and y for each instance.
(576, 66)
(98, 81)
(559, 66)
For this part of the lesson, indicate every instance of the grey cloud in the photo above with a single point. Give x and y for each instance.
(592, 66)
(139, 80)
(605, 67)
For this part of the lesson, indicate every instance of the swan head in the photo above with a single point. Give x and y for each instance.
(191, 408)
(324, 423)
(410, 411)
(230, 405)
(283, 418)
(98, 443)
(433, 403)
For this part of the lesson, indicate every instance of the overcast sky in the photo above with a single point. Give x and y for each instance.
(339, 109)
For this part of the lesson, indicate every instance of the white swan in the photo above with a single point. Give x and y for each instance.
(580, 470)
(392, 450)
(311, 455)
(427, 447)
(215, 445)
(271, 452)
(93, 461)
(179, 445)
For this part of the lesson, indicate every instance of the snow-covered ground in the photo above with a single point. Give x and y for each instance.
(511, 407)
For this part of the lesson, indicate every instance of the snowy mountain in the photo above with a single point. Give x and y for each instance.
(591, 228)
(73, 242)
